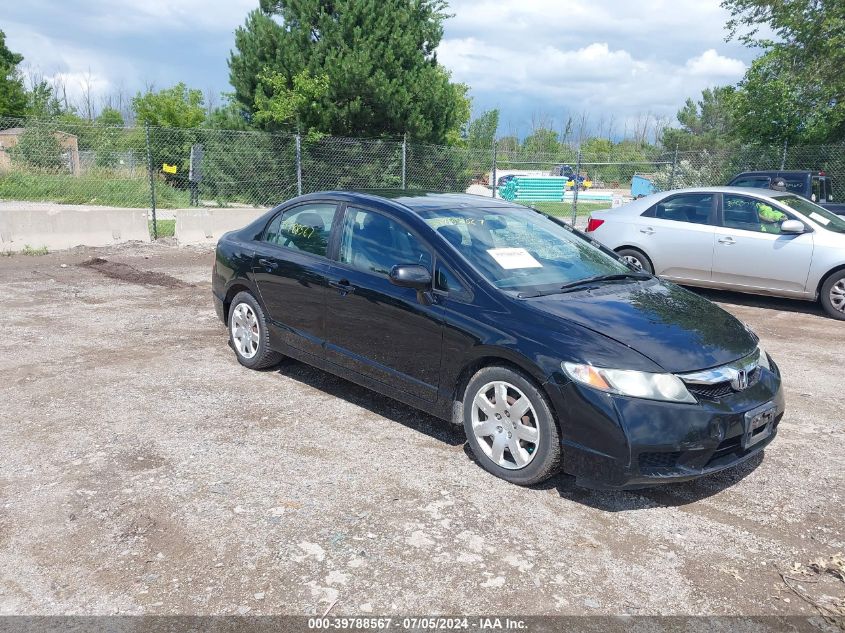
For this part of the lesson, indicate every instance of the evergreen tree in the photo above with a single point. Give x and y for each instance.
(378, 57)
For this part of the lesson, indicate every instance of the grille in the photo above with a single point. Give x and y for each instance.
(722, 389)
(651, 461)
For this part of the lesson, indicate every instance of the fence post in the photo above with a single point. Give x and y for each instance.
(152, 181)
(298, 164)
(575, 187)
(674, 167)
(493, 172)
(404, 159)
(783, 159)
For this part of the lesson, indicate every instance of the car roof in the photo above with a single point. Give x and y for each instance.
(418, 200)
(779, 172)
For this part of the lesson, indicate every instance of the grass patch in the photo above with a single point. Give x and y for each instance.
(166, 228)
(564, 209)
(34, 252)
(90, 188)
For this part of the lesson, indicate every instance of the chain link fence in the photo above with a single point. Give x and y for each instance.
(65, 161)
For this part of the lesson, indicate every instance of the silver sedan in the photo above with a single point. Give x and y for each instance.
(733, 238)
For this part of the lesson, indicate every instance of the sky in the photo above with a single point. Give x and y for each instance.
(538, 61)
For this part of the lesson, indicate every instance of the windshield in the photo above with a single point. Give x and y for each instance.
(521, 250)
(817, 214)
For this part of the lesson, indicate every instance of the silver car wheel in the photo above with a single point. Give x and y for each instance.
(505, 424)
(837, 295)
(245, 333)
(633, 261)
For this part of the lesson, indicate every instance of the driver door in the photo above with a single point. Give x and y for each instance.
(751, 253)
(373, 327)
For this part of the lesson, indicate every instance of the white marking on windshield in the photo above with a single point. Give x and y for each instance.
(511, 258)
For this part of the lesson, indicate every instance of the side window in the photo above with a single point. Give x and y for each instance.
(694, 208)
(375, 243)
(303, 228)
(446, 281)
(817, 194)
(757, 182)
(749, 214)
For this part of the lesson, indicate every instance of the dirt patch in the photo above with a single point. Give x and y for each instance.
(146, 471)
(132, 275)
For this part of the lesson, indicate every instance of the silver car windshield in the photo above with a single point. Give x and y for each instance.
(521, 249)
(817, 214)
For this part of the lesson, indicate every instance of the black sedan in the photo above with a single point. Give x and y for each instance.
(545, 346)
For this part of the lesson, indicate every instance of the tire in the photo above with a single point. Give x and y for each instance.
(832, 295)
(511, 451)
(637, 258)
(248, 334)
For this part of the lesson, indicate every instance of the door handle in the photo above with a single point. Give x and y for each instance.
(727, 240)
(647, 230)
(268, 263)
(343, 286)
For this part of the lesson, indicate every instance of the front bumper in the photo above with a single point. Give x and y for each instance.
(618, 442)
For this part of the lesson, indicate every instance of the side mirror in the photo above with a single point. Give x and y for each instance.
(792, 226)
(411, 276)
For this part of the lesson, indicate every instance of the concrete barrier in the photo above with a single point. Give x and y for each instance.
(61, 226)
(205, 226)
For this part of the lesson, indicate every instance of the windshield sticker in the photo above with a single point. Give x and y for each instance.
(436, 223)
(820, 218)
(510, 258)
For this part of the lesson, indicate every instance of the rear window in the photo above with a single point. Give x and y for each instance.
(690, 207)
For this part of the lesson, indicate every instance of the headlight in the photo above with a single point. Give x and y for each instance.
(638, 384)
(764, 360)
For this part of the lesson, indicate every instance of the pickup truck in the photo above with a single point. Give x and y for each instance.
(816, 186)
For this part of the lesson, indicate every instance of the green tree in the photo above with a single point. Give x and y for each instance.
(13, 99)
(290, 106)
(706, 123)
(379, 57)
(177, 107)
(801, 69)
(541, 141)
(38, 147)
(41, 102)
(481, 132)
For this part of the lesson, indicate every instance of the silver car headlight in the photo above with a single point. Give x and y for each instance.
(637, 384)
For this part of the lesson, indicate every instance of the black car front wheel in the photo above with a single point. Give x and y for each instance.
(510, 426)
(248, 334)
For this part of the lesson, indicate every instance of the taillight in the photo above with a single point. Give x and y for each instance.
(593, 224)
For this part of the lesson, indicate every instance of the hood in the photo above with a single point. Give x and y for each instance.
(675, 328)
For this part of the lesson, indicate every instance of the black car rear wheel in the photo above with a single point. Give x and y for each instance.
(833, 295)
(248, 334)
(510, 426)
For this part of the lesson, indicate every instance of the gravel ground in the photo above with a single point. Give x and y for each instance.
(145, 471)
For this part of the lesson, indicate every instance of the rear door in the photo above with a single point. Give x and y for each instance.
(677, 235)
(751, 253)
(290, 268)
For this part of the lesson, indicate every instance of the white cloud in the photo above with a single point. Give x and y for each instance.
(611, 58)
(711, 64)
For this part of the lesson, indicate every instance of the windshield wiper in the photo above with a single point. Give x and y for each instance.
(598, 279)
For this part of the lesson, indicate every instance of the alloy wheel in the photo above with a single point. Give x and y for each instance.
(837, 295)
(505, 424)
(633, 261)
(245, 333)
